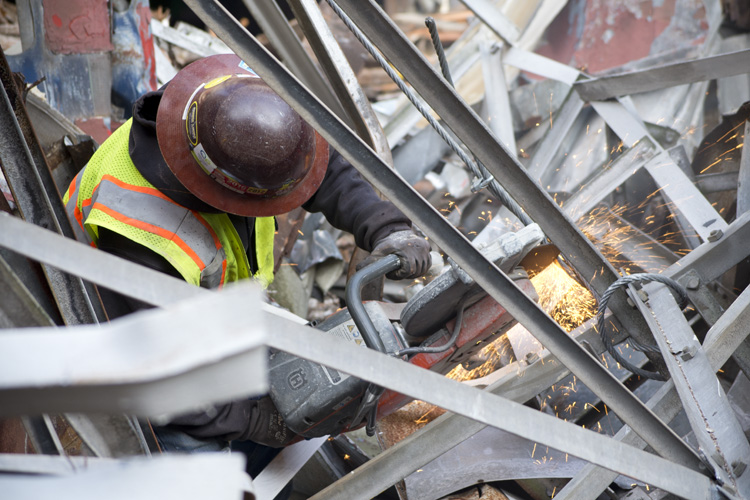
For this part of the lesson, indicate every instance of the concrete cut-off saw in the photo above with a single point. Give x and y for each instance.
(441, 326)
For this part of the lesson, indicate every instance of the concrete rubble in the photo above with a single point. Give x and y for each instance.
(578, 167)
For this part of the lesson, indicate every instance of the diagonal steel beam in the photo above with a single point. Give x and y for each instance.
(284, 40)
(714, 424)
(19, 307)
(540, 162)
(485, 408)
(494, 19)
(343, 80)
(470, 129)
(37, 203)
(91, 264)
(578, 250)
(486, 274)
(668, 75)
(729, 332)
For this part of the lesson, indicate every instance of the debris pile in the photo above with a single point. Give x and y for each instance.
(591, 150)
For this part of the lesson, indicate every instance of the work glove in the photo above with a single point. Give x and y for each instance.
(412, 250)
(266, 425)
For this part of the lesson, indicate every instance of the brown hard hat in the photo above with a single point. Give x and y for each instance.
(234, 143)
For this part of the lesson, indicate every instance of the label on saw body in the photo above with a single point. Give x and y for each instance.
(346, 331)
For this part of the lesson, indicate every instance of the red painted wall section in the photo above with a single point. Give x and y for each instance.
(77, 26)
(147, 39)
(597, 35)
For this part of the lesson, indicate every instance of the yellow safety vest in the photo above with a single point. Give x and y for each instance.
(205, 248)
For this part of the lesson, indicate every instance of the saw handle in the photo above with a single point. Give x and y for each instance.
(369, 403)
(354, 288)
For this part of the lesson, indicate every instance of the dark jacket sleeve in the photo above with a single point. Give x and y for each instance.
(351, 204)
(230, 422)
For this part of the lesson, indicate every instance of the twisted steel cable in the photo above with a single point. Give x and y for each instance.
(607, 340)
(435, 36)
(478, 171)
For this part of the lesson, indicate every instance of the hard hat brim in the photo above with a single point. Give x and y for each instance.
(173, 142)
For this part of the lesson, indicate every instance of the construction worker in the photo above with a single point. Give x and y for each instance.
(189, 186)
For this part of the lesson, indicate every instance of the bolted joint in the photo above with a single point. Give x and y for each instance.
(715, 235)
(693, 284)
(738, 467)
(688, 353)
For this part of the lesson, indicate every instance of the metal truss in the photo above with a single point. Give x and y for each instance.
(180, 361)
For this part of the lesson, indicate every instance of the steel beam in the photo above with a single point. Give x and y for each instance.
(285, 466)
(52, 202)
(486, 408)
(608, 179)
(541, 161)
(148, 364)
(626, 124)
(685, 197)
(723, 339)
(668, 75)
(91, 264)
(109, 436)
(342, 77)
(293, 54)
(489, 456)
(19, 307)
(496, 99)
(175, 37)
(743, 182)
(540, 65)
(42, 434)
(122, 276)
(494, 19)
(197, 476)
(486, 274)
(716, 429)
(34, 203)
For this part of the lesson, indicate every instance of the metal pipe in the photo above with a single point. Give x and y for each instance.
(484, 272)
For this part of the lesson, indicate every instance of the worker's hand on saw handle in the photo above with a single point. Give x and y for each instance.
(266, 426)
(413, 251)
